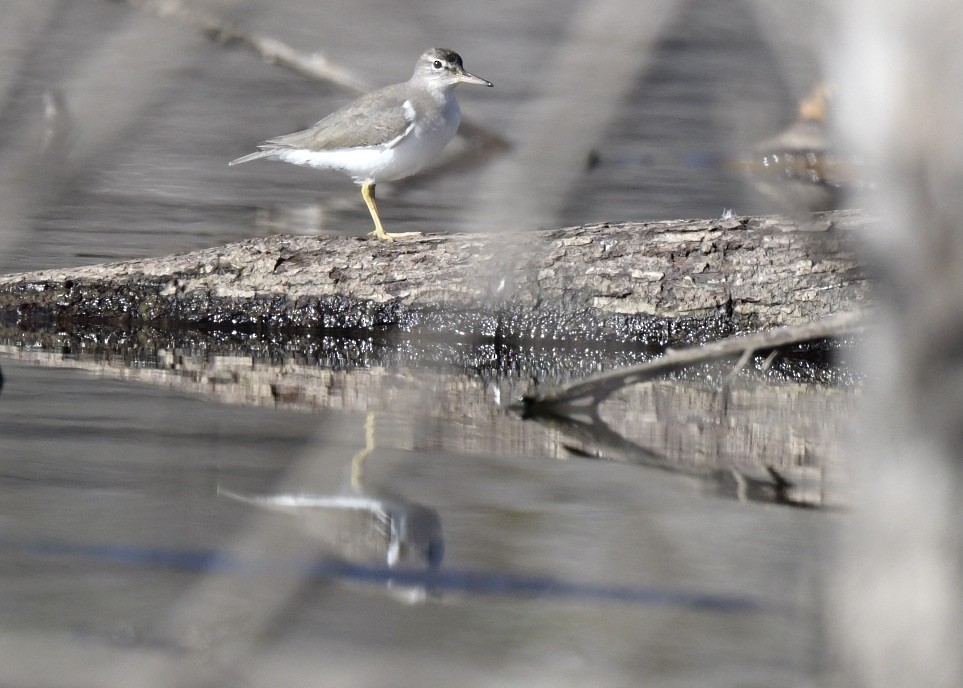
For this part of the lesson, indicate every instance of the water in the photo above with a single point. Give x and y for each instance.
(120, 543)
(93, 463)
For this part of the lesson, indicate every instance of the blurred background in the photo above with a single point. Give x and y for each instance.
(614, 110)
(252, 514)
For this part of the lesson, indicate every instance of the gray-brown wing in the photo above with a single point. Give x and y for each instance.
(372, 119)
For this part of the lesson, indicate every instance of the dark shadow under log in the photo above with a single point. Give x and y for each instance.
(639, 283)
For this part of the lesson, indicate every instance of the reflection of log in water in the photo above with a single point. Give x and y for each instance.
(777, 443)
(575, 409)
(794, 428)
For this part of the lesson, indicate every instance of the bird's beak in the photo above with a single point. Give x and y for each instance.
(466, 78)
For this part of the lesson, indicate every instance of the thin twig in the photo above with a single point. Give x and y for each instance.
(596, 388)
(220, 30)
(767, 363)
(737, 368)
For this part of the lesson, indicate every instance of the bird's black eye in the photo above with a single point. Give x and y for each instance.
(437, 64)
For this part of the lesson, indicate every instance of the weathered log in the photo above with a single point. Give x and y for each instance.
(657, 283)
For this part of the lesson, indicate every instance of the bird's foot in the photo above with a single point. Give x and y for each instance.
(391, 236)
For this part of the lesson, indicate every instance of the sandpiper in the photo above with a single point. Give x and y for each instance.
(386, 135)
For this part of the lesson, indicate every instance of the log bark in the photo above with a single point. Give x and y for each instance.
(650, 283)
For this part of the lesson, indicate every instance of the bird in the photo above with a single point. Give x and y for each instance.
(386, 135)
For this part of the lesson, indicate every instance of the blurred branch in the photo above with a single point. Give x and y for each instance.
(556, 132)
(220, 30)
(315, 65)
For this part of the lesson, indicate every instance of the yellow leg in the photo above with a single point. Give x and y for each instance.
(357, 461)
(368, 193)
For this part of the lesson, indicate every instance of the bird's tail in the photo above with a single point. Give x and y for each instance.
(252, 156)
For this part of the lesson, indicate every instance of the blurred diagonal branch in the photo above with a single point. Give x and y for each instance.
(315, 65)
(896, 610)
(608, 43)
(220, 30)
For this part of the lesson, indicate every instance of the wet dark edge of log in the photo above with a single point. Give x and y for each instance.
(123, 307)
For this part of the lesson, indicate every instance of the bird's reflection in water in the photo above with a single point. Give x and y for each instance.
(361, 529)
(358, 527)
